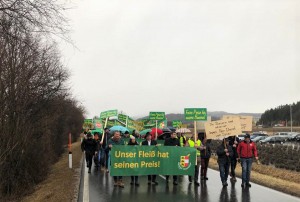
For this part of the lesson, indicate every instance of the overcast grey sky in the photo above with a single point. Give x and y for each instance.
(165, 55)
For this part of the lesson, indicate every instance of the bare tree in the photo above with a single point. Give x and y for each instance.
(36, 107)
(44, 17)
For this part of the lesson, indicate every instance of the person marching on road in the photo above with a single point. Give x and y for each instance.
(197, 145)
(97, 157)
(233, 142)
(149, 142)
(205, 156)
(103, 143)
(182, 139)
(89, 145)
(134, 179)
(172, 141)
(224, 152)
(116, 140)
(245, 151)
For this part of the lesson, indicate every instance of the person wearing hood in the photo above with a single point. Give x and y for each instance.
(246, 150)
(225, 153)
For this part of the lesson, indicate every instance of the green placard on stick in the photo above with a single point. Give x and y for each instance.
(157, 116)
(122, 117)
(88, 124)
(176, 124)
(88, 120)
(195, 114)
(109, 113)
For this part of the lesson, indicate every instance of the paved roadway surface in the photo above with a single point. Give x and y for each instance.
(98, 186)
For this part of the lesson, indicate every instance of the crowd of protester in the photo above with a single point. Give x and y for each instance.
(230, 152)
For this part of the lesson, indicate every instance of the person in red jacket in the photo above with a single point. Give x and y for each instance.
(246, 149)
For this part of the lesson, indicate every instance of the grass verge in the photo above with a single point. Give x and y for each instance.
(275, 178)
(62, 184)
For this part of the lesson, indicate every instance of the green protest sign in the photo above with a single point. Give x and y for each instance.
(176, 124)
(122, 118)
(152, 160)
(195, 114)
(108, 114)
(88, 124)
(88, 120)
(152, 124)
(110, 123)
(157, 116)
(98, 123)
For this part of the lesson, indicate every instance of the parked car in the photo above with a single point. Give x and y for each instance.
(285, 135)
(258, 138)
(297, 138)
(273, 140)
(282, 134)
(241, 137)
(292, 136)
(257, 134)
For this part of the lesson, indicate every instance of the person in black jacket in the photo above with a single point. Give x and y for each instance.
(134, 179)
(149, 142)
(224, 152)
(173, 141)
(233, 142)
(89, 145)
(97, 157)
(205, 156)
(105, 138)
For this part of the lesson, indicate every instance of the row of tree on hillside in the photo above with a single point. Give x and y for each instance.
(281, 115)
(37, 111)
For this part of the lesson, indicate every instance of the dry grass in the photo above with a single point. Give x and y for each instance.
(278, 179)
(62, 183)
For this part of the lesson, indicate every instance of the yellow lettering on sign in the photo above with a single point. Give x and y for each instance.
(126, 165)
(163, 154)
(143, 154)
(151, 164)
(119, 154)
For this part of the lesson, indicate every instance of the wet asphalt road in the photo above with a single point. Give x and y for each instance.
(100, 188)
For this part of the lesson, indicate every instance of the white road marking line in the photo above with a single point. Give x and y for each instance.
(163, 177)
(86, 191)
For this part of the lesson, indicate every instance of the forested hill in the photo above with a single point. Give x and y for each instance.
(281, 115)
